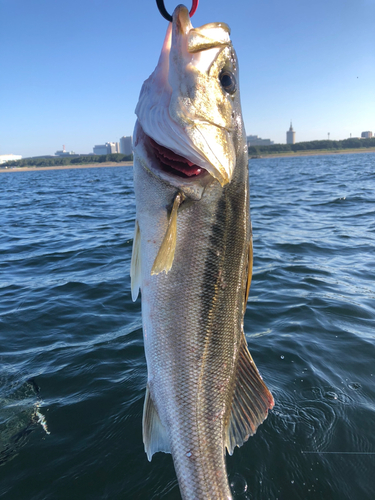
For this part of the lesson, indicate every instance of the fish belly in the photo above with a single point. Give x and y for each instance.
(192, 323)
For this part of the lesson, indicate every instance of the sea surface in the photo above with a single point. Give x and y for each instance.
(72, 366)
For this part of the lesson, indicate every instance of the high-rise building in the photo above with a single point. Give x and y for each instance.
(366, 135)
(112, 147)
(126, 145)
(290, 135)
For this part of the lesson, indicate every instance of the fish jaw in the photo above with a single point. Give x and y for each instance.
(182, 105)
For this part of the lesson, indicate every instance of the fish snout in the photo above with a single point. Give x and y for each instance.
(181, 20)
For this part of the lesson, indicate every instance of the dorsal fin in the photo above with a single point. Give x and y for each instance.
(155, 437)
(251, 401)
(135, 266)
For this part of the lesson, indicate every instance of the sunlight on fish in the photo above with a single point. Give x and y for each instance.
(192, 258)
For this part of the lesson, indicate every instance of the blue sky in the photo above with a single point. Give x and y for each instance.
(71, 71)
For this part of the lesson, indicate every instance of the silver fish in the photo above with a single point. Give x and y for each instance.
(192, 258)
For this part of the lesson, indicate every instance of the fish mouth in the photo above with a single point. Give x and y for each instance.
(172, 163)
(170, 167)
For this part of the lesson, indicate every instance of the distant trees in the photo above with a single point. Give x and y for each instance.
(50, 161)
(53, 161)
(314, 145)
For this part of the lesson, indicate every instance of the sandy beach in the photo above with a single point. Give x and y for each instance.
(68, 167)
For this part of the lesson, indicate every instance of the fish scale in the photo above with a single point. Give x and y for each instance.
(192, 261)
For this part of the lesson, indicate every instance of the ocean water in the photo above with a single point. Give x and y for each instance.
(72, 367)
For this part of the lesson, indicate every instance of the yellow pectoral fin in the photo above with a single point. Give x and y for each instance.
(249, 271)
(135, 267)
(165, 256)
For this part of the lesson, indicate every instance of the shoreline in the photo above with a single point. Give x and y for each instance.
(291, 154)
(67, 167)
(264, 156)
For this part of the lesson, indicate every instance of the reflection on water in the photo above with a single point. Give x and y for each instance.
(68, 326)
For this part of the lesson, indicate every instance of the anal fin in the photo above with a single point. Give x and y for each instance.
(251, 401)
(155, 437)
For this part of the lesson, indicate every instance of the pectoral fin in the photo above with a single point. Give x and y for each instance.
(251, 401)
(154, 434)
(249, 271)
(135, 266)
(165, 256)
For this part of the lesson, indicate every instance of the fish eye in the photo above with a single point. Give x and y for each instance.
(228, 81)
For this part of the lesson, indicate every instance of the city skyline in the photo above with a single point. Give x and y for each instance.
(65, 84)
(251, 139)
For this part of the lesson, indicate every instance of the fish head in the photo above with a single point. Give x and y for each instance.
(189, 113)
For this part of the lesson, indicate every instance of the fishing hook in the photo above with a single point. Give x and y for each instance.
(167, 16)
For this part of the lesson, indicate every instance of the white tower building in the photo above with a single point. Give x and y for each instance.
(291, 135)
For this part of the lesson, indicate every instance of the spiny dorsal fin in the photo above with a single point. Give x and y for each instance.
(251, 401)
(135, 266)
(155, 437)
(165, 256)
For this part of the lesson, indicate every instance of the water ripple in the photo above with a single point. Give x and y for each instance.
(67, 321)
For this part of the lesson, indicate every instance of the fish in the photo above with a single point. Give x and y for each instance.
(192, 258)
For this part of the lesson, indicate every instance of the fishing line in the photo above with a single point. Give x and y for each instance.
(163, 11)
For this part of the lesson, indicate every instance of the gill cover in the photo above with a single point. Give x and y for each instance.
(183, 105)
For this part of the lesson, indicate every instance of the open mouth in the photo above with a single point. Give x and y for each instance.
(173, 163)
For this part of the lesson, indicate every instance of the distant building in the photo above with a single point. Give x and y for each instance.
(126, 145)
(107, 148)
(112, 147)
(5, 158)
(254, 140)
(291, 135)
(366, 135)
(100, 150)
(64, 153)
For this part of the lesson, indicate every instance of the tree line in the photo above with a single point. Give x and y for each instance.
(353, 143)
(51, 161)
(56, 161)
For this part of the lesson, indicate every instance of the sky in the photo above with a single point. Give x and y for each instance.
(71, 71)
